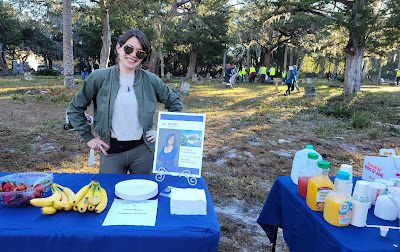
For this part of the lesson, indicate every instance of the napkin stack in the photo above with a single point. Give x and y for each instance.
(188, 201)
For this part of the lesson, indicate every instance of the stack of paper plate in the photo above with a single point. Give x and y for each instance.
(136, 189)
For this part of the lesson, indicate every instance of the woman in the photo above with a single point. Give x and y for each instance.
(289, 79)
(168, 152)
(125, 99)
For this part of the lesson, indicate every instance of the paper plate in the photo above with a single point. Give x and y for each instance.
(136, 189)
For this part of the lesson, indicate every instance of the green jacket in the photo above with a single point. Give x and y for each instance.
(102, 87)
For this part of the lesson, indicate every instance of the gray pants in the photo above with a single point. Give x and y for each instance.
(139, 160)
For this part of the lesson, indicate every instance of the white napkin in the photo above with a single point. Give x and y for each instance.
(91, 158)
(188, 201)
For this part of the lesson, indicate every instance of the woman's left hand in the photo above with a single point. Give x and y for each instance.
(151, 136)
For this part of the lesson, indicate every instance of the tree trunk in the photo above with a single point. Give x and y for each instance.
(68, 58)
(161, 62)
(380, 72)
(50, 63)
(364, 69)
(248, 58)
(353, 69)
(192, 61)
(106, 36)
(154, 63)
(3, 61)
(268, 57)
(285, 59)
(223, 63)
(291, 57)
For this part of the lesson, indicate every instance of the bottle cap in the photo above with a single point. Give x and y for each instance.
(323, 164)
(342, 175)
(312, 155)
(310, 147)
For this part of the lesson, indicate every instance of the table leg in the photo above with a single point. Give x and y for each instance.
(274, 239)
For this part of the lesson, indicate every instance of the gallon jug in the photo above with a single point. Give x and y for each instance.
(338, 204)
(300, 160)
(318, 187)
(306, 173)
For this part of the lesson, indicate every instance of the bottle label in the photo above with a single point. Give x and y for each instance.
(322, 192)
(345, 212)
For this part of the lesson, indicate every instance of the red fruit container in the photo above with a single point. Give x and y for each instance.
(37, 185)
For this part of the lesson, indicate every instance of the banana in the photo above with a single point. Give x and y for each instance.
(81, 193)
(103, 201)
(43, 202)
(84, 205)
(91, 207)
(48, 210)
(60, 204)
(96, 196)
(70, 194)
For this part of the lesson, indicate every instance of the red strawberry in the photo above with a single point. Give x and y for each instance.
(20, 187)
(1, 187)
(37, 194)
(7, 185)
(39, 188)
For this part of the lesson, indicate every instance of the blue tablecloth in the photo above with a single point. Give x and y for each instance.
(306, 230)
(27, 229)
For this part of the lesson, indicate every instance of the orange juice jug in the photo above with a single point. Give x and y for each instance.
(318, 187)
(338, 205)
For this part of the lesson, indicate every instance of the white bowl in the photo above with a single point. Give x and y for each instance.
(136, 189)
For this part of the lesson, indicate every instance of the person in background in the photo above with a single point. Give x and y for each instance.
(233, 76)
(228, 73)
(252, 74)
(397, 76)
(263, 73)
(289, 78)
(82, 68)
(334, 76)
(244, 72)
(88, 68)
(283, 77)
(240, 72)
(295, 85)
(125, 99)
(272, 73)
(95, 65)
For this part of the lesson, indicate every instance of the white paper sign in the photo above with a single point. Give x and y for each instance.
(125, 212)
(180, 142)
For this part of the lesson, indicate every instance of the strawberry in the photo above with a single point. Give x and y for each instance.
(39, 188)
(37, 194)
(1, 187)
(20, 187)
(7, 185)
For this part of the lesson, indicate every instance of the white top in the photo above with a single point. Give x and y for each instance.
(125, 121)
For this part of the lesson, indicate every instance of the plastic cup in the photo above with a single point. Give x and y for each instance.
(384, 231)
(347, 168)
(361, 191)
(385, 209)
(360, 213)
(385, 182)
(396, 181)
(375, 190)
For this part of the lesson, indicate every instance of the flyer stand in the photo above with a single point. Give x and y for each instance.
(179, 146)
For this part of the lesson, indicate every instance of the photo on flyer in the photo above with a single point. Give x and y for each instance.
(179, 144)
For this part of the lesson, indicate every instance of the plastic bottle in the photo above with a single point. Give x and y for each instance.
(349, 169)
(318, 187)
(338, 205)
(300, 160)
(306, 173)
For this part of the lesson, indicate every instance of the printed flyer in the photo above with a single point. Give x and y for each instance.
(179, 144)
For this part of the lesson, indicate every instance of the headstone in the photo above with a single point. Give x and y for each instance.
(375, 79)
(194, 77)
(172, 87)
(185, 88)
(21, 68)
(28, 76)
(201, 79)
(168, 75)
(208, 77)
(309, 81)
(15, 67)
(309, 91)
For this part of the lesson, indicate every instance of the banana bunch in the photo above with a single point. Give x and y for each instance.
(91, 197)
(61, 199)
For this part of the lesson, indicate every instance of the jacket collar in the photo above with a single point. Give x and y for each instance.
(138, 74)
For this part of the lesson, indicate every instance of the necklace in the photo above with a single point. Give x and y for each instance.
(129, 89)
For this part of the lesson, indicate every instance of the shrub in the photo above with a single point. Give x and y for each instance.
(360, 120)
(47, 72)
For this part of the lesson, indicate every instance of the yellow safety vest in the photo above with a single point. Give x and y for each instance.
(283, 74)
(252, 69)
(272, 71)
(264, 70)
(243, 71)
(398, 73)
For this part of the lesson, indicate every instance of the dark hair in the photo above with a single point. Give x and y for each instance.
(168, 137)
(140, 36)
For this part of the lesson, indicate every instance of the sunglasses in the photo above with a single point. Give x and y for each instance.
(139, 53)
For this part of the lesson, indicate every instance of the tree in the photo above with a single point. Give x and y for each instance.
(68, 55)
(360, 18)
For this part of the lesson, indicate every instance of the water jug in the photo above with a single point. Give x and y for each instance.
(300, 160)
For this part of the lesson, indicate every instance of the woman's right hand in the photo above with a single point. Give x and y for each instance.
(98, 145)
